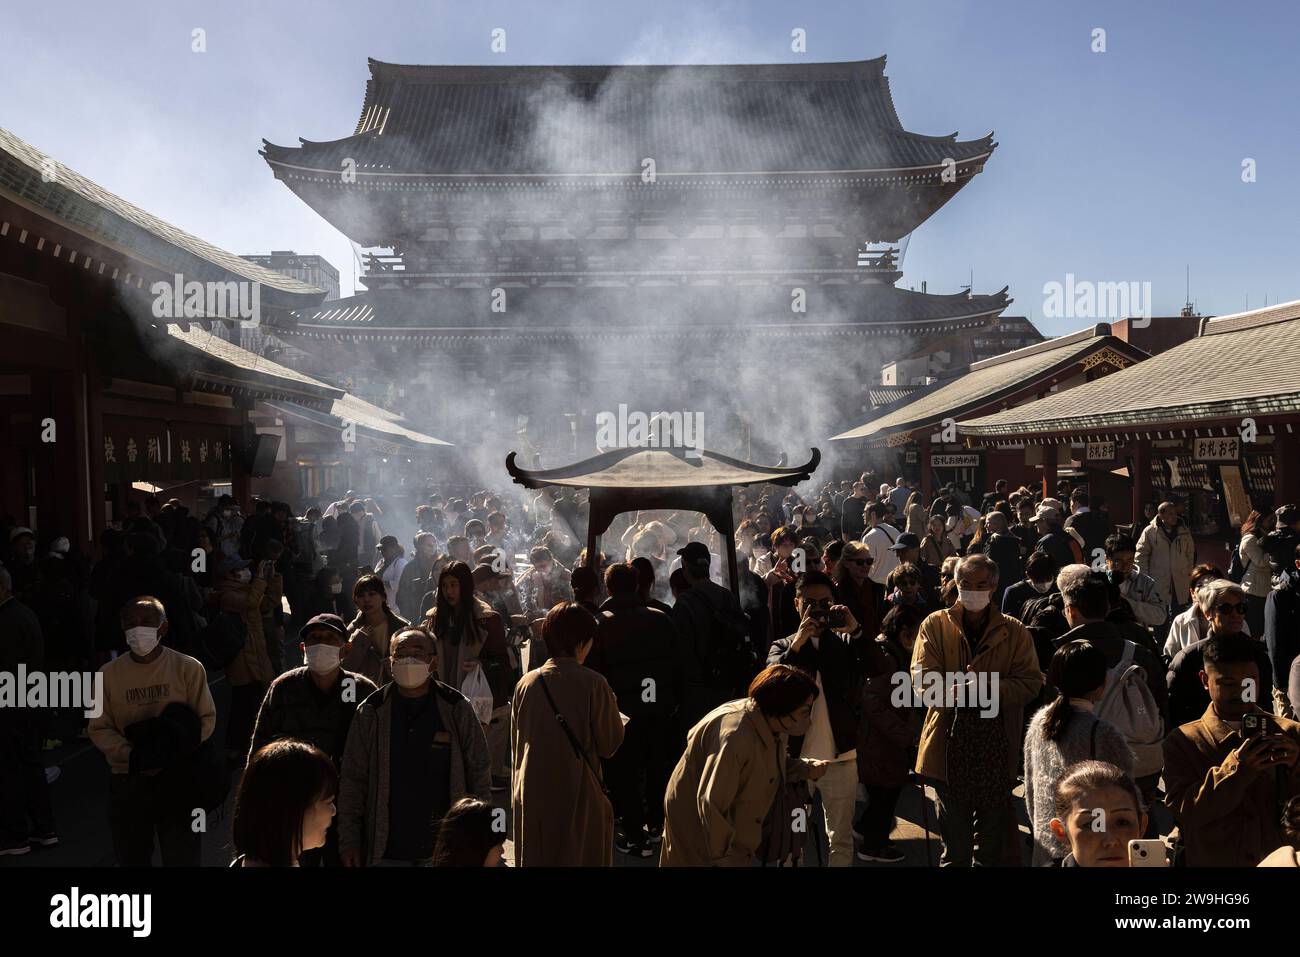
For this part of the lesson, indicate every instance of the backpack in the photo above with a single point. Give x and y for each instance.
(1128, 704)
(221, 641)
(729, 660)
(1236, 568)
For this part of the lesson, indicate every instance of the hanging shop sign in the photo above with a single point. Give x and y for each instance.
(968, 461)
(1101, 451)
(1223, 449)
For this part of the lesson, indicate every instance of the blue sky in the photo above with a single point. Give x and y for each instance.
(1115, 166)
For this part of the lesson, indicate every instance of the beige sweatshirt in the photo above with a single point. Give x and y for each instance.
(134, 691)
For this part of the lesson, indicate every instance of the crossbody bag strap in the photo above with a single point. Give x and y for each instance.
(568, 732)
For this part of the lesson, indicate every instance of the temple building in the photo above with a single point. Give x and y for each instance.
(541, 244)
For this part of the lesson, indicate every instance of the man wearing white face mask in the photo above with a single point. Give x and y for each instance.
(315, 703)
(137, 687)
(973, 638)
(415, 748)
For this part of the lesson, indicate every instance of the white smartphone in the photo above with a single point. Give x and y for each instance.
(1150, 852)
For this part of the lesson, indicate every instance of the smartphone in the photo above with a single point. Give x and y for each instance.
(1150, 852)
(1255, 723)
(838, 619)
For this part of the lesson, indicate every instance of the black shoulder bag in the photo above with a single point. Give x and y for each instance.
(573, 738)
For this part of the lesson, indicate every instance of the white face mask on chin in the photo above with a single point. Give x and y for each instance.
(1042, 587)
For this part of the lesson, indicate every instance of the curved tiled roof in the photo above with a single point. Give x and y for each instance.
(287, 385)
(652, 468)
(392, 312)
(603, 120)
(990, 380)
(1246, 364)
(104, 217)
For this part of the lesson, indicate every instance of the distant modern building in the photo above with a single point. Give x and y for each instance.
(314, 271)
(1005, 334)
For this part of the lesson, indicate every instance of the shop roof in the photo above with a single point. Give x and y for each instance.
(226, 367)
(64, 195)
(1243, 365)
(992, 380)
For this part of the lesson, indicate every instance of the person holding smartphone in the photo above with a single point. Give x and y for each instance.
(1099, 813)
(1229, 773)
(831, 646)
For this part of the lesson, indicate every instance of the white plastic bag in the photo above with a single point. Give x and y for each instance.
(478, 691)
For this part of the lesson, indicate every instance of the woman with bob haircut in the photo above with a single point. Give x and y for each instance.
(284, 805)
(734, 766)
(563, 719)
(469, 836)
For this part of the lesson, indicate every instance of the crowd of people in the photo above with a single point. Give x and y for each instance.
(419, 684)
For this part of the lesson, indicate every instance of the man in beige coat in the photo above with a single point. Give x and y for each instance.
(562, 817)
(1166, 552)
(973, 638)
(735, 765)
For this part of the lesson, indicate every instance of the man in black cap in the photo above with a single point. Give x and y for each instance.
(315, 703)
(715, 652)
(908, 550)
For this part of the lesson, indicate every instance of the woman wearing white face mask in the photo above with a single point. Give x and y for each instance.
(315, 703)
(137, 687)
(427, 737)
(991, 658)
(1039, 580)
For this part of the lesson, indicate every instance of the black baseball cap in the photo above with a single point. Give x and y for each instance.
(695, 553)
(333, 622)
(906, 540)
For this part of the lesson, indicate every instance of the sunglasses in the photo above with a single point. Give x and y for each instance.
(859, 561)
(1237, 608)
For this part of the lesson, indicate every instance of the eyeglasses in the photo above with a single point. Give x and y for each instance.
(823, 604)
(1236, 608)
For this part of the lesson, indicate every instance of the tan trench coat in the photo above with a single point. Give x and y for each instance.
(1008, 650)
(561, 816)
(722, 789)
(253, 663)
(1228, 816)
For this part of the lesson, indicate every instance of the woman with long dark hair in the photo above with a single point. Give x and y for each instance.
(467, 631)
(1065, 732)
(370, 632)
(284, 805)
(472, 834)
(469, 634)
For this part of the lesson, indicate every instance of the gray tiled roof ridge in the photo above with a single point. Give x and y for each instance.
(108, 203)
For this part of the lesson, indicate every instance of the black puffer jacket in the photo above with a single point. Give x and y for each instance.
(635, 643)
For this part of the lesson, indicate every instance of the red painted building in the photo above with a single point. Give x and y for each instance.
(917, 436)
